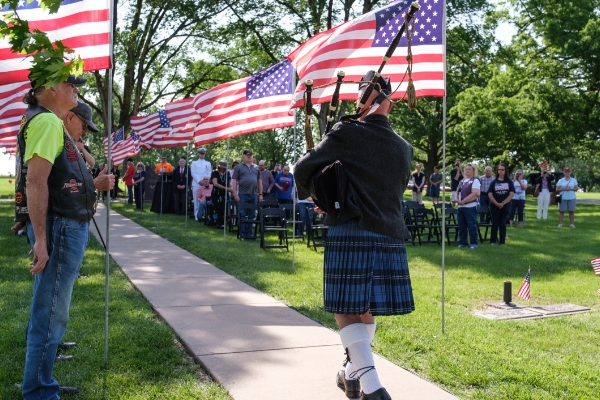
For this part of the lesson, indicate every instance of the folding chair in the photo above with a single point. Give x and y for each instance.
(246, 207)
(273, 220)
(410, 226)
(484, 213)
(291, 219)
(425, 221)
(317, 230)
(451, 224)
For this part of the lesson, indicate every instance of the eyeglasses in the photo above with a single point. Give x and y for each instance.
(84, 124)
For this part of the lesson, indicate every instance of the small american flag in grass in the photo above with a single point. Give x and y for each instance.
(596, 265)
(524, 291)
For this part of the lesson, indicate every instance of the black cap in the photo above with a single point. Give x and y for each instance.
(383, 82)
(247, 151)
(85, 113)
(77, 81)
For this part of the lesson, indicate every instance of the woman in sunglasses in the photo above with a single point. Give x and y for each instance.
(500, 193)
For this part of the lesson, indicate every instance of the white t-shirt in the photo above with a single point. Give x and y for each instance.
(475, 185)
(519, 191)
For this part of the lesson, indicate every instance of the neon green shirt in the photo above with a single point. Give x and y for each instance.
(44, 137)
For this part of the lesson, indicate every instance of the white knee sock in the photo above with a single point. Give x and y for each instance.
(357, 342)
(349, 366)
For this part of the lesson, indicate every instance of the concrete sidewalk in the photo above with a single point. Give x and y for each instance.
(254, 345)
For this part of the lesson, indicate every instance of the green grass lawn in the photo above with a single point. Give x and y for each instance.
(146, 360)
(553, 358)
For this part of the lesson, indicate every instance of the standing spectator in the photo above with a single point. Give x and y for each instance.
(544, 185)
(115, 171)
(163, 166)
(247, 176)
(234, 164)
(204, 194)
(200, 169)
(305, 221)
(284, 182)
(485, 179)
(221, 185)
(500, 193)
(518, 201)
(567, 187)
(276, 169)
(267, 178)
(139, 185)
(456, 175)
(418, 178)
(128, 179)
(468, 193)
(435, 180)
(181, 186)
(56, 199)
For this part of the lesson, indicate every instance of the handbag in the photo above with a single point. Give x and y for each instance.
(536, 193)
(328, 188)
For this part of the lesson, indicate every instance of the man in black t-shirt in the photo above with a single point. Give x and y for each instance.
(456, 175)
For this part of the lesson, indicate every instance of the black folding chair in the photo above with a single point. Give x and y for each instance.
(317, 232)
(410, 226)
(483, 214)
(425, 222)
(451, 224)
(273, 221)
(255, 222)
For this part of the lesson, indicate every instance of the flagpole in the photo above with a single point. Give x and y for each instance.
(109, 88)
(226, 196)
(187, 188)
(294, 190)
(444, 178)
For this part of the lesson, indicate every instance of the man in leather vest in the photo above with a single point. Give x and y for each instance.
(55, 196)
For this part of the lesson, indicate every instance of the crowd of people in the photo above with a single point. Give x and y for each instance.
(496, 198)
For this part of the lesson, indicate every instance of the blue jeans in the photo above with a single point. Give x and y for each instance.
(201, 209)
(306, 222)
(49, 313)
(246, 229)
(517, 207)
(130, 194)
(467, 222)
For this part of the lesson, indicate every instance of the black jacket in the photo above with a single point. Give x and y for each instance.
(376, 161)
(549, 178)
(179, 179)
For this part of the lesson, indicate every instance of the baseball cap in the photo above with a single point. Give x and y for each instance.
(85, 113)
(567, 169)
(247, 151)
(77, 81)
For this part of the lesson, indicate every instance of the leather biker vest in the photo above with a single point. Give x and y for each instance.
(71, 190)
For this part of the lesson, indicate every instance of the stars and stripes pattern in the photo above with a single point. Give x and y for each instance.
(359, 45)
(150, 128)
(11, 112)
(121, 148)
(524, 290)
(182, 119)
(596, 265)
(82, 25)
(251, 104)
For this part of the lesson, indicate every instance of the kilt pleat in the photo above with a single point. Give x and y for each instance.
(365, 271)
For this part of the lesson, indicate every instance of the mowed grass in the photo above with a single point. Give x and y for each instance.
(552, 358)
(7, 187)
(145, 359)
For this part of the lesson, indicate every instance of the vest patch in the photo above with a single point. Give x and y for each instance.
(73, 186)
(71, 153)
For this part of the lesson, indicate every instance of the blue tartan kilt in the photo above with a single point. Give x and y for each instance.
(365, 271)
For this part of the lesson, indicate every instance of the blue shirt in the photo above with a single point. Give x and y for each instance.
(567, 183)
(280, 179)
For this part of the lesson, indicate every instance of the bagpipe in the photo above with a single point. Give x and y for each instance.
(328, 185)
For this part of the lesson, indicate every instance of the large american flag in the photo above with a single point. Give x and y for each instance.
(151, 128)
(11, 112)
(596, 265)
(121, 148)
(255, 103)
(82, 25)
(182, 118)
(524, 290)
(359, 45)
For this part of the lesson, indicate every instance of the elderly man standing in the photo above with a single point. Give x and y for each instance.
(181, 187)
(267, 178)
(55, 196)
(247, 176)
(365, 264)
(200, 169)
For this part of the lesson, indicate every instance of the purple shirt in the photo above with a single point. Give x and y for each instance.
(267, 180)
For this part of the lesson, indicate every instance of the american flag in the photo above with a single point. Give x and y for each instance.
(121, 148)
(11, 112)
(359, 45)
(596, 265)
(181, 119)
(82, 25)
(151, 128)
(524, 291)
(255, 103)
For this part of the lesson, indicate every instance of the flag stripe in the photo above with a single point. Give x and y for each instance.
(596, 265)
(11, 112)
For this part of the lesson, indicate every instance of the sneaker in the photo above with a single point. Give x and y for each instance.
(571, 226)
(492, 244)
(350, 386)
(72, 390)
(560, 225)
(473, 246)
(460, 246)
